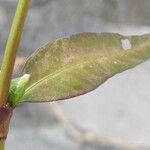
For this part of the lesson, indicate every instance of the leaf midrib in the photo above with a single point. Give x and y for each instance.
(56, 73)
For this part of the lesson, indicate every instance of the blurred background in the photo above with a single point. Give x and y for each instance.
(113, 117)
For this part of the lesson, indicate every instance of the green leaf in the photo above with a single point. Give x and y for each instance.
(17, 89)
(75, 65)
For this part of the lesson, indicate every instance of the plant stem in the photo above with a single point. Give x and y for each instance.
(11, 49)
(2, 144)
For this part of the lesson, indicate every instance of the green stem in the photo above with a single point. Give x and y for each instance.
(2, 144)
(11, 49)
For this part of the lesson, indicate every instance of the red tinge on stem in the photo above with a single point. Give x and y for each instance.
(5, 116)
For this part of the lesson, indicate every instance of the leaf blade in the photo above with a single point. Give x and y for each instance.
(73, 66)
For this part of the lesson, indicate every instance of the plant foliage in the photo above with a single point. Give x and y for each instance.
(75, 65)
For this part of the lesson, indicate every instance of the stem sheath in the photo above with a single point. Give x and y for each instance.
(11, 49)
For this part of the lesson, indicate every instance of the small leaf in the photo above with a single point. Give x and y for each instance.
(75, 65)
(17, 89)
